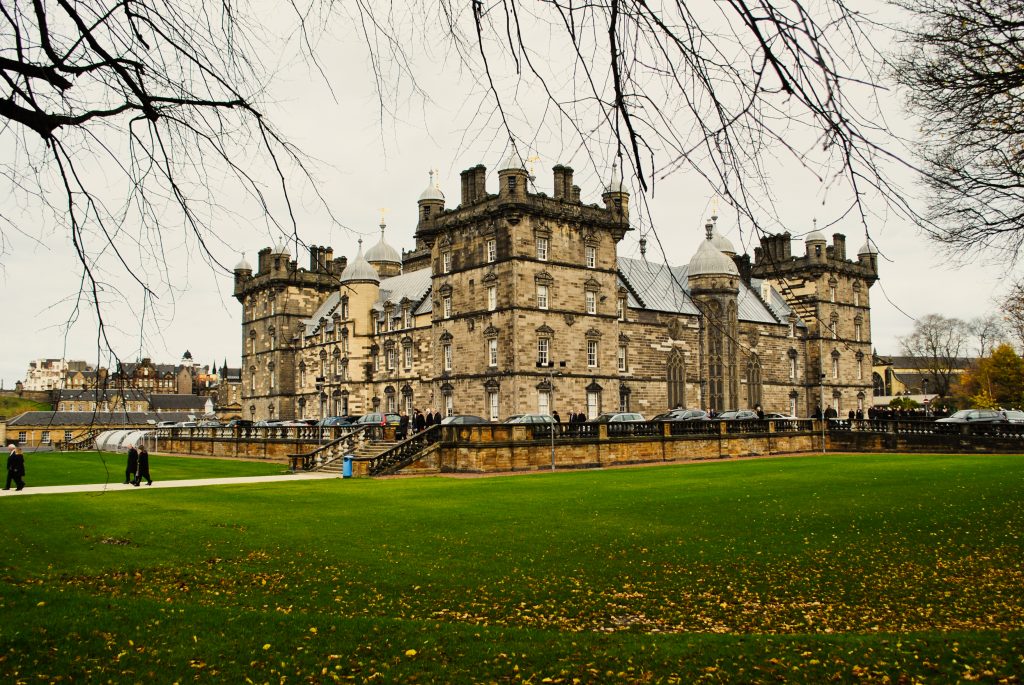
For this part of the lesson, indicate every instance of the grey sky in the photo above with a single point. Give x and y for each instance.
(371, 160)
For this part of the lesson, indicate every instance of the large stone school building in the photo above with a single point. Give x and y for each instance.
(516, 301)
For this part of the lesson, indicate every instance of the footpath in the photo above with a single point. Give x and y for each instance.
(195, 483)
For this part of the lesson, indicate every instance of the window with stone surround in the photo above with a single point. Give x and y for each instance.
(542, 296)
(792, 364)
(620, 308)
(542, 249)
(252, 379)
(860, 366)
(591, 301)
(832, 283)
(492, 405)
(446, 262)
(492, 352)
(834, 326)
(621, 358)
(344, 306)
(407, 355)
(543, 351)
(492, 298)
(591, 353)
(858, 328)
(835, 363)
(273, 375)
(302, 374)
(543, 402)
(446, 306)
(753, 381)
(449, 405)
(492, 251)
(856, 293)
(446, 355)
(591, 256)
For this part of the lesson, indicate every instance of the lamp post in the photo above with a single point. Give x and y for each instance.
(550, 366)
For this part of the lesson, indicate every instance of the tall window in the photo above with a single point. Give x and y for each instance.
(446, 306)
(792, 405)
(446, 261)
(856, 294)
(542, 297)
(676, 376)
(543, 402)
(792, 365)
(449, 405)
(446, 355)
(252, 379)
(542, 249)
(492, 352)
(835, 366)
(620, 308)
(492, 251)
(860, 366)
(406, 317)
(492, 405)
(389, 356)
(593, 404)
(591, 254)
(591, 298)
(591, 353)
(302, 374)
(492, 298)
(621, 358)
(543, 350)
(273, 375)
(407, 357)
(753, 381)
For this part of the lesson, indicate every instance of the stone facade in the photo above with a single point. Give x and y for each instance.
(517, 302)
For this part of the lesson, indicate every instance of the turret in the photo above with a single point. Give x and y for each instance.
(431, 202)
(360, 282)
(384, 258)
(867, 255)
(512, 178)
(616, 196)
(815, 243)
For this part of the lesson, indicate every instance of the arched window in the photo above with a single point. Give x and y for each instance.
(753, 382)
(676, 377)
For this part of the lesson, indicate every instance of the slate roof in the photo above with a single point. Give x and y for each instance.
(414, 285)
(100, 395)
(37, 419)
(178, 402)
(663, 288)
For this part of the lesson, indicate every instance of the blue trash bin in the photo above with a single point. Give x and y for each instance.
(346, 467)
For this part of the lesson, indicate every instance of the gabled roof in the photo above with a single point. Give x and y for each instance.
(100, 395)
(414, 285)
(664, 288)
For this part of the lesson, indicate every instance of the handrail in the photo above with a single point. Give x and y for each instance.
(329, 452)
(404, 453)
(81, 440)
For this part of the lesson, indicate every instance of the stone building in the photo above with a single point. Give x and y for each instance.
(517, 302)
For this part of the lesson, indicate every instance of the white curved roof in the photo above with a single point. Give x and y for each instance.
(513, 161)
(359, 269)
(867, 248)
(710, 260)
(119, 440)
(382, 252)
(616, 185)
(432, 192)
(243, 264)
(721, 243)
(282, 249)
(815, 236)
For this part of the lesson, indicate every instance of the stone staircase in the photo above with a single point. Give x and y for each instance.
(367, 449)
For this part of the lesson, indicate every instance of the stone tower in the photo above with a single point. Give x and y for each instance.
(830, 293)
(523, 282)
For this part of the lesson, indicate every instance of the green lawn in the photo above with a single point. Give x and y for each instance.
(74, 468)
(13, 406)
(815, 569)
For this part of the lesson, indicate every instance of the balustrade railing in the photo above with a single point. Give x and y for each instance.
(407, 451)
(332, 451)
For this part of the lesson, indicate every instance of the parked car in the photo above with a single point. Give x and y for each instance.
(619, 417)
(529, 418)
(337, 421)
(186, 424)
(209, 423)
(737, 415)
(379, 419)
(682, 415)
(463, 420)
(238, 423)
(984, 416)
(783, 417)
(166, 424)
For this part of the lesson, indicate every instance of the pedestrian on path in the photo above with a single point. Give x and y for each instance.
(15, 467)
(133, 465)
(143, 471)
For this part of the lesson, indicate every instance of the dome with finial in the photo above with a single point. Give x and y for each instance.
(282, 248)
(815, 236)
(721, 243)
(616, 185)
(709, 260)
(513, 161)
(359, 269)
(243, 265)
(431, 192)
(382, 252)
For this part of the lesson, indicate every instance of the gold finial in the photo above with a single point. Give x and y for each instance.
(714, 209)
(383, 211)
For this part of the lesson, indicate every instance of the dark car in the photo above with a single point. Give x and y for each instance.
(463, 420)
(337, 421)
(238, 423)
(530, 418)
(737, 415)
(974, 416)
(379, 419)
(682, 415)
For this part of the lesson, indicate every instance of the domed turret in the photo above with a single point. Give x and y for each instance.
(867, 255)
(282, 249)
(243, 265)
(431, 202)
(709, 260)
(721, 243)
(815, 244)
(359, 270)
(384, 258)
(616, 196)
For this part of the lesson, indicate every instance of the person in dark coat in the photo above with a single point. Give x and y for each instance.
(143, 471)
(15, 467)
(403, 427)
(419, 422)
(133, 465)
(556, 417)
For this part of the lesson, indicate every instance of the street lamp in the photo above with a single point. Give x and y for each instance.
(550, 366)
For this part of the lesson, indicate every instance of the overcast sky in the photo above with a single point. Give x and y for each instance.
(372, 161)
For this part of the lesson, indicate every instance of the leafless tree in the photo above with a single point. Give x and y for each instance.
(1012, 309)
(988, 332)
(127, 117)
(963, 68)
(938, 346)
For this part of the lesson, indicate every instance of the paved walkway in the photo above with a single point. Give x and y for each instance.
(116, 487)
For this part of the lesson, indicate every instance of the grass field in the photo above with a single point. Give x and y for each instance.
(76, 468)
(13, 406)
(813, 569)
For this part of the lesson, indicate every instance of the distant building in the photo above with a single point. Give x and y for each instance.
(50, 374)
(916, 378)
(518, 302)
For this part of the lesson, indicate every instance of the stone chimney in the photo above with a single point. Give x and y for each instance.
(839, 246)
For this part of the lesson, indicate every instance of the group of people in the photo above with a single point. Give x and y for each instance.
(138, 466)
(15, 467)
(418, 422)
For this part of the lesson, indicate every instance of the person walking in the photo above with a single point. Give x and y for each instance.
(15, 467)
(403, 427)
(133, 465)
(419, 422)
(143, 471)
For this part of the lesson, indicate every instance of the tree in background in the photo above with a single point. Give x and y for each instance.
(1012, 309)
(963, 68)
(995, 381)
(988, 331)
(938, 346)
